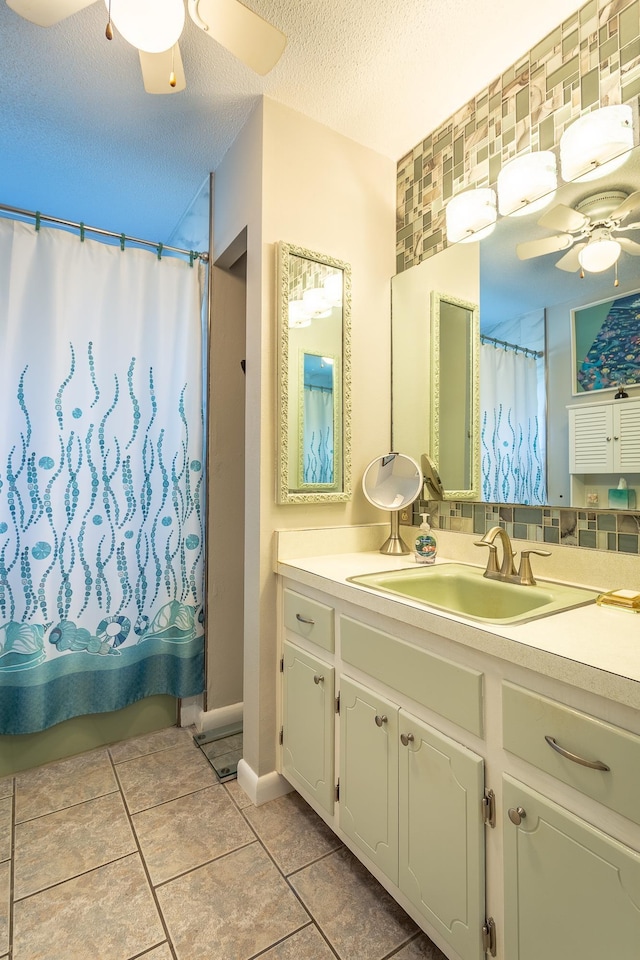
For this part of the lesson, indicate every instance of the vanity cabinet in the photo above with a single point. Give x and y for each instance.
(605, 437)
(570, 889)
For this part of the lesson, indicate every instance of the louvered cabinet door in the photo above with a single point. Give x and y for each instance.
(627, 431)
(591, 442)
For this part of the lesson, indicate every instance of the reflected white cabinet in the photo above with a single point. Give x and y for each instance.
(605, 437)
(308, 724)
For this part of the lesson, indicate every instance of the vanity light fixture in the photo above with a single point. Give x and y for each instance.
(597, 143)
(316, 303)
(600, 253)
(298, 314)
(150, 25)
(527, 183)
(471, 215)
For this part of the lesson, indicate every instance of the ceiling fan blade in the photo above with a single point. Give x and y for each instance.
(47, 12)
(570, 261)
(156, 70)
(629, 246)
(246, 35)
(627, 206)
(538, 248)
(563, 218)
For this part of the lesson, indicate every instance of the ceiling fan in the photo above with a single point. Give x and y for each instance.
(589, 232)
(154, 26)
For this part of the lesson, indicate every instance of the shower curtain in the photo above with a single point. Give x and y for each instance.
(101, 477)
(511, 429)
(318, 435)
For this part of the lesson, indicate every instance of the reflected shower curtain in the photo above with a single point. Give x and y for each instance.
(511, 430)
(318, 435)
(101, 477)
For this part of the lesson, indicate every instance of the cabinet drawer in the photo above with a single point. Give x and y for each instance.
(453, 691)
(309, 619)
(527, 718)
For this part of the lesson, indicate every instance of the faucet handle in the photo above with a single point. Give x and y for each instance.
(525, 573)
(492, 562)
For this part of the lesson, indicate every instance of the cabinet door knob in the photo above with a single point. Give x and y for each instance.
(517, 815)
(406, 739)
(608, 439)
(380, 720)
(318, 679)
(616, 438)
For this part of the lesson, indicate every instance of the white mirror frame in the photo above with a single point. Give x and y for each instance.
(340, 492)
(473, 493)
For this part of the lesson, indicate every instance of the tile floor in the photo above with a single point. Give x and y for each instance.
(139, 851)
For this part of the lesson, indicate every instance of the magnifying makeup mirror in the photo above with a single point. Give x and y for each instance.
(391, 483)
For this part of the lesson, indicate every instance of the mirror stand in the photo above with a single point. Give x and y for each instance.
(394, 545)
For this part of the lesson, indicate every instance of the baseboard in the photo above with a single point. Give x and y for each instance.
(261, 789)
(213, 719)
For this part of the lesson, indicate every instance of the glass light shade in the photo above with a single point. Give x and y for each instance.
(471, 215)
(527, 184)
(597, 143)
(298, 314)
(332, 286)
(599, 254)
(316, 303)
(150, 25)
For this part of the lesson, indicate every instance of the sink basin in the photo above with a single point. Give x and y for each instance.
(463, 590)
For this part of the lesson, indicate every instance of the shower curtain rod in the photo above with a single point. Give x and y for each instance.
(527, 351)
(83, 228)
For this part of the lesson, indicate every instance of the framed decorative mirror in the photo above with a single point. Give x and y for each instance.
(314, 367)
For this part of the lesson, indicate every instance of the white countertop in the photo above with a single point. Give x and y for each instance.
(592, 647)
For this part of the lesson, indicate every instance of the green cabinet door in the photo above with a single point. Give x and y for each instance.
(308, 724)
(570, 890)
(369, 774)
(441, 853)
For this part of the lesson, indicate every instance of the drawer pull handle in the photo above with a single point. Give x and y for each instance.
(317, 678)
(380, 720)
(302, 619)
(517, 815)
(406, 739)
(592, 764)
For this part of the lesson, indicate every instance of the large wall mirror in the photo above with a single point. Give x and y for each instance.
(529, 311)
(314, 317)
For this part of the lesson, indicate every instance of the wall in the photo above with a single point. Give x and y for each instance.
(592, 59)
(289, 178)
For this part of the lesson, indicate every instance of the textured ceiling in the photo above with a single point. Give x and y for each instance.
(81, 140)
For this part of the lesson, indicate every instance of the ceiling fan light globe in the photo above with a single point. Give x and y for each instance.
(150, 25)
(596, 144)
(471, 216)
(599, 255)
(527, 184)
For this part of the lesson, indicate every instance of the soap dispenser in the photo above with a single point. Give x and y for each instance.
(426, 546)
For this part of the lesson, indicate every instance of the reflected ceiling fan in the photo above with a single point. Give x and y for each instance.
(589, 232)
(154, 26)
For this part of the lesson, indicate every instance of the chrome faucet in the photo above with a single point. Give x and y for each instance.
(507, 571)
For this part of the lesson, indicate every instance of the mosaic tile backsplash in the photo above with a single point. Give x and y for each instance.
(591, 60)
(576, 527)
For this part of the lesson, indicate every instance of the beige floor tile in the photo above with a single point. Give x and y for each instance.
(6, 807)
(62, 784)
(162, 952)
(420, 949)
(6, 787)
(64, 844)
(107, 914)
(239, 903)
(185, 833)
(292, 832)
(164, 776)
(355, 913)
(237, 794)
(5, 906)
(151, 743)
(307, 944)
